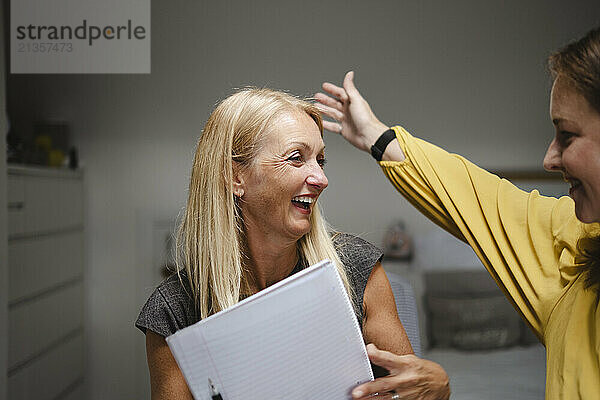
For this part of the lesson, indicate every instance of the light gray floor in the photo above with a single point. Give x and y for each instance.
(513, 373)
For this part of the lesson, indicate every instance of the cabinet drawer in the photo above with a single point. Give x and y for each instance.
(76, 392)
(16, 203)
(16, 190)
(39, 263)
(48, 204)
(35, 325)
(48, 376)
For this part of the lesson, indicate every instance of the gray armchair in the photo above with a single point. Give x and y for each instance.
(407, 309)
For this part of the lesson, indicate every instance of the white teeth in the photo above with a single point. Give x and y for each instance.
(572, 181)
(303, 199)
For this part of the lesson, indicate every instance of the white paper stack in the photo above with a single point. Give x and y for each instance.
(299, 339)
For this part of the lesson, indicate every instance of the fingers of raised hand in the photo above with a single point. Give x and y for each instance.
(330, 112)
(332, 126)
(349, 84)
(335, 91)
(329, 101)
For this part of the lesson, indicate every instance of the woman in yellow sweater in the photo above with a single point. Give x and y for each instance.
(543, 252)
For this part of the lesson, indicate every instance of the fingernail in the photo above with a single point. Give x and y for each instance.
(357, 393)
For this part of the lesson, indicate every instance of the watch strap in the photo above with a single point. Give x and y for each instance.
(382, 143)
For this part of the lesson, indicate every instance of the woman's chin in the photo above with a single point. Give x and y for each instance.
(301, 230)
(586, 215)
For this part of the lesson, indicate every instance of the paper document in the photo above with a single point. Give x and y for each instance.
(298, 339)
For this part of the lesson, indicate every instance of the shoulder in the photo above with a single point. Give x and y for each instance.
(358, 256)
(565, 225)
(169, 308)
(355, 251)
(561, 233)
(175, 288)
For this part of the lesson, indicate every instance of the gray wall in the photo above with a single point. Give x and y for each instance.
(3, 223)
(468, 75)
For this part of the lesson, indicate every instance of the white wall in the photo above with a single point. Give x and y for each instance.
(468, 75)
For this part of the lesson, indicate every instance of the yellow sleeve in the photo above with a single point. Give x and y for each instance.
(525, 240)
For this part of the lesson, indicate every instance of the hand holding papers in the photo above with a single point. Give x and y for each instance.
(298, 339)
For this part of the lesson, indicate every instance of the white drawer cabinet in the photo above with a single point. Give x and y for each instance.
(54, 375)
(46, 287)
(36, 325)
(39, 263)
(43, 204)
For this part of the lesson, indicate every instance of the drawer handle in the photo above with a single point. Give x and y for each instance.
(17, 205)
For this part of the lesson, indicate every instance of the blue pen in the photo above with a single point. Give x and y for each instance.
(214, 394)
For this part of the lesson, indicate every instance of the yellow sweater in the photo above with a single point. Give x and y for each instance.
(526, 241)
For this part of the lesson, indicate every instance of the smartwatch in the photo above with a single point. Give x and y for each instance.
(381, 144)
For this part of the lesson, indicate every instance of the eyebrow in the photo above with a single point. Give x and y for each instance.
(305, 145)
(561, 120)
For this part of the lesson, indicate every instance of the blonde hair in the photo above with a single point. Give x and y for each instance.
(210, 241)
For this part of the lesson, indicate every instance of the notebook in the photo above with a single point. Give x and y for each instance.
(298, 339)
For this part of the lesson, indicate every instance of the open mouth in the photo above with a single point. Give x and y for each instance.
(574, 183)
(303, 202)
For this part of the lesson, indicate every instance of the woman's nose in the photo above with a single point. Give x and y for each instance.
(552, 159)
(317, 178)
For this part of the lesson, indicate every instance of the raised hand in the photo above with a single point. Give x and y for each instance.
(410, 378)
(355, 120)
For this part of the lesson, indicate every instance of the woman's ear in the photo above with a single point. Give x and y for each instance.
(238, 180)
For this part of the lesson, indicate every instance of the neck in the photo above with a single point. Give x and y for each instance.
(588, 259)
(270, 260)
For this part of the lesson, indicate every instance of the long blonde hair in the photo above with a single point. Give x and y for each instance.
(210, 240)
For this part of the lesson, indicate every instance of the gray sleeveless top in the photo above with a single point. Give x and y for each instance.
(170, 307)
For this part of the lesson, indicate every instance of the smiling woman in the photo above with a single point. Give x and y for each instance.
(257, 152)
(575, 151)
(252, 219)
(543, 252)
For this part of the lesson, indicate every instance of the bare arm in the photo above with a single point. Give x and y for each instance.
(166, 380)
(382, 325)
(410, 377)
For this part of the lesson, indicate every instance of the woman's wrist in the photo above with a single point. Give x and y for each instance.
(388, 150)
(382, 143)
(373, 132)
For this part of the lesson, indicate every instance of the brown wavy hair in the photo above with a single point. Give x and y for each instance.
(579, 62)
